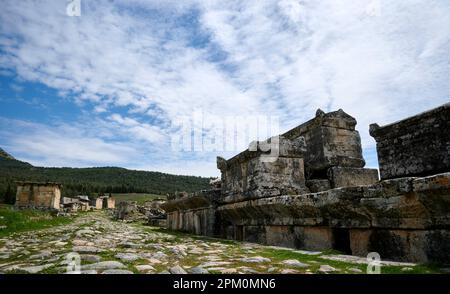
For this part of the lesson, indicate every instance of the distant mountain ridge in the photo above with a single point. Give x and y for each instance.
(96, 179)
(5, 154)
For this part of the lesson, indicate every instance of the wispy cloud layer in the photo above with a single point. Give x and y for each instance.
(136, 66)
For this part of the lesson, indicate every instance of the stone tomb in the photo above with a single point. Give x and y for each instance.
(317, 194)
(38, 195)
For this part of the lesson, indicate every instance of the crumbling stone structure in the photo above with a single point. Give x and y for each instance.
(416, 146)
(38, 195)
(317, 194)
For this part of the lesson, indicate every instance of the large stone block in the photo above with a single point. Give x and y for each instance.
(331, 140)
(416, 146)
(313, 238)
(350, 176)
(254, 178)
(280, 236)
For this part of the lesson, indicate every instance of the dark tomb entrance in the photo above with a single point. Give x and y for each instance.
(341, 240)
(239, 233)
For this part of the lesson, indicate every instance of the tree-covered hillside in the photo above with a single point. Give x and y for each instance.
(95, 180)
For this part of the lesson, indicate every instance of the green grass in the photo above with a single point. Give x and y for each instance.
(140, 198)
(280, 255)
(12, 221)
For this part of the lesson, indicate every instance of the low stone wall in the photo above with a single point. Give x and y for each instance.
(197, 221)
(194, 214)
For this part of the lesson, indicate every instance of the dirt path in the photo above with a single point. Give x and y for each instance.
(106, 246)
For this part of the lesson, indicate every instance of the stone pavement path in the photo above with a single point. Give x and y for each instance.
(110, 247)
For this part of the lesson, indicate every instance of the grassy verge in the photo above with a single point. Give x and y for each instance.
(278, 255)
(12, 221)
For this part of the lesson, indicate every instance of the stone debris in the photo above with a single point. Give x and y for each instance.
(177, 270)
(198, 270)
(111, 264)
(90, 258)
(214, 263)
(255, 259)
(295, 263)
(36, 269)
(144, 268)
(326, 269)
(355, 270)
(86, 249)
(41, 255)
(127, 256)
(117, 272)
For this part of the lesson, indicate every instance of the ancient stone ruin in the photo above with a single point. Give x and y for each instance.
(316, 194)
(38, 195)
(150, 212)
(85, 203)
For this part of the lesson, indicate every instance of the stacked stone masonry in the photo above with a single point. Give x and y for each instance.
(317, 194)
(38, 195)
(416, 146)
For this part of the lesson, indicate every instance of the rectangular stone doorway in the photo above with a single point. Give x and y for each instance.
(341, 240)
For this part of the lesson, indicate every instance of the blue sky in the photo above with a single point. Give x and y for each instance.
(106, 88)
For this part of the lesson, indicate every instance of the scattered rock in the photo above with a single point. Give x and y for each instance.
(144, 268)
(295, 263)
(117, 272)
(289, 271)
(326, 269)
(214, 263)
(90, 258)
(255, 259)
(36, 269)
(112, 264)
(78, 242)
(84, 232)
(177, 270)
(42, 255)
(86, 249)
(198, 270)
(160, 255)
(355, 270)
(127, 256)
(229, 271)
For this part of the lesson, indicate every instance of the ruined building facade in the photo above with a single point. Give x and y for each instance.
(316, 194)
(38, 195)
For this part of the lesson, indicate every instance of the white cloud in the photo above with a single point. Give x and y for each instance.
(62, 145)
(160, 60)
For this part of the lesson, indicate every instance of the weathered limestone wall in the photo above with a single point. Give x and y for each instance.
(97, 203)
(416, 146)
(196, 221)
(402, 219)
(110, 203)
(331, 140)
(253, 174)
(38, 195)
(316, 194)
(193, 213)
(320, 154)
